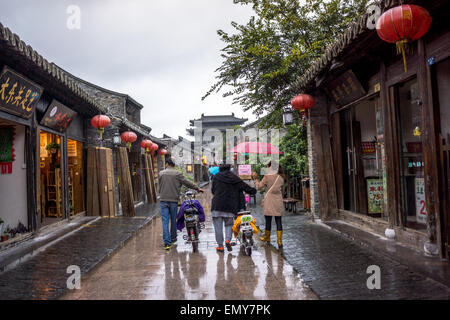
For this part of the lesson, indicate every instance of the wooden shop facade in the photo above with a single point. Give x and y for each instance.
(47, 143)
(382, 128)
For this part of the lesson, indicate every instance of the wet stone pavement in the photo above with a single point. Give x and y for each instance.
(44, 276)
(123, 258)
(335, 267)
(143, 270)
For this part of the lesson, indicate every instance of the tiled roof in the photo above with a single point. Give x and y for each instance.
(13, 42)
(220, 118)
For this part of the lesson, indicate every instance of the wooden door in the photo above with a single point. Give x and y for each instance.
(445, 184)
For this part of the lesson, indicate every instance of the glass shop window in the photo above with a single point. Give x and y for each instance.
(409, 110)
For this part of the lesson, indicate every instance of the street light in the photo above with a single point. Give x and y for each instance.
(116, 139)
(288, 116)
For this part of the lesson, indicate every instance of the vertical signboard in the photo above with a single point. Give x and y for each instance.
(421, 206)
(375, 195)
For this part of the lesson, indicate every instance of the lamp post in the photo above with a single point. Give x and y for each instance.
(288, 116)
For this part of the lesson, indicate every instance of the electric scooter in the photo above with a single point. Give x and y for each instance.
(191, 219)
(245, 235)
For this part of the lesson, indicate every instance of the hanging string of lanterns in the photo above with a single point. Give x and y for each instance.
(100, 122)
(402, 25)
(128, 137)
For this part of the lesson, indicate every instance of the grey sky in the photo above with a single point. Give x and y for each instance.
(162, 53)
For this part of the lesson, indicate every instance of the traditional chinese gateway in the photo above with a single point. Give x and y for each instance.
(381, 125)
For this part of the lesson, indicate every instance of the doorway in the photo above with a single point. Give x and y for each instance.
(51, 188)
(361, 127)
(76, 177)
(409, 123)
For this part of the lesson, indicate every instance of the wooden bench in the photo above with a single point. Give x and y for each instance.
(290, 204)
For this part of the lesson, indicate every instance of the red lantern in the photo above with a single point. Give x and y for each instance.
(302, 102)
(154, 147)
(146, 144)
(100, 122)
(162, 152)
(128, 137)
(403, 24)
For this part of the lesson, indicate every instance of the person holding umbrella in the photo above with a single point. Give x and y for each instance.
(272, 203)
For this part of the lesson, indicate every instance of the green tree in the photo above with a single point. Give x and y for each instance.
(294, 159)
(263, 58)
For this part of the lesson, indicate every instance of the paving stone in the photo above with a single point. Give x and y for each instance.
(44, 275)
(334, 266)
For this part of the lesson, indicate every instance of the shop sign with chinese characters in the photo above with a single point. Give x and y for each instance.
(18, 95)
(421, 206)
(58, 116)
(375, 192)
(346, 88)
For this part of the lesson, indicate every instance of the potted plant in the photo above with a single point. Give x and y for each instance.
(5, 235)
(52, 147)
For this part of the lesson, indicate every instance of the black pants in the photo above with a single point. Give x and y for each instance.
(269, 223)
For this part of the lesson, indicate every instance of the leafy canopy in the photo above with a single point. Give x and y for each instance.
(263, 58)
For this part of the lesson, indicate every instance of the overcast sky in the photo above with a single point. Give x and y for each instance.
(162, 53)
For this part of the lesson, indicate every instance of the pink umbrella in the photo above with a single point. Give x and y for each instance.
(256, 147)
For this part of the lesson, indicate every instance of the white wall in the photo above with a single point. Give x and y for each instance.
(13, 191)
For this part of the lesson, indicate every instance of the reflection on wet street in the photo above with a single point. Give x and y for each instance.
(143, 270)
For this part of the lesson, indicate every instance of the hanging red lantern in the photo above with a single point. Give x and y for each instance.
(128, 137)
(146, 144)
(154, 147)
(162, 152)
(302, 102)
(100, 122)
(402, 25)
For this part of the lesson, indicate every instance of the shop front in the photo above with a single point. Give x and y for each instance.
(389, 134)
(18, 99)
(61, 167)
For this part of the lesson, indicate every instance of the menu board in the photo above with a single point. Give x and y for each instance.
(18, 95)
(346, 88)
(375, 192)
(421, 206)
(58, 116)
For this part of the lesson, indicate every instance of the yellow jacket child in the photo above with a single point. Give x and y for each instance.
(238, 222)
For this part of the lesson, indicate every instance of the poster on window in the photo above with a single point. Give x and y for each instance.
(421, 207)
(375, 197)
(6, 149)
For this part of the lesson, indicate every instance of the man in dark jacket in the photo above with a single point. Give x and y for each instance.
(227, 190)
